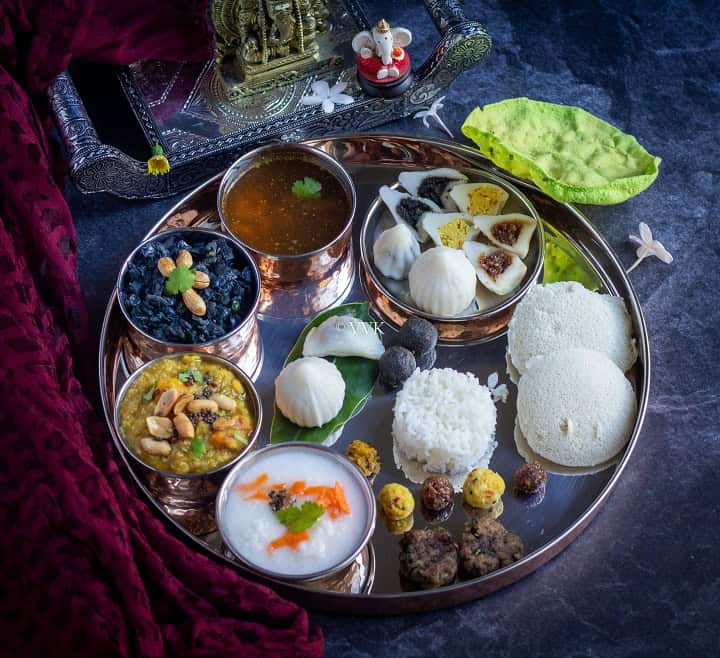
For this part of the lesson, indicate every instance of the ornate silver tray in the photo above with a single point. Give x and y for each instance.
(372, 585)
(204, 124)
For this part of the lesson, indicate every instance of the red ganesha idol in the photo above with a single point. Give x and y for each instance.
(382, 62)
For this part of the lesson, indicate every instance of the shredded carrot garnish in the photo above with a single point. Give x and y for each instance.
(255, 484)
(331, 498)
(262, 494)
(257, 495)
(340, 497)
(328, 502)
(290, 540)
(258, 488)
(297, 488)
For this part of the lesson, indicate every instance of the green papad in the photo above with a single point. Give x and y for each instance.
(570, 154)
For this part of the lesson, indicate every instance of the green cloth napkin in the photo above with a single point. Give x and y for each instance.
(570, 154)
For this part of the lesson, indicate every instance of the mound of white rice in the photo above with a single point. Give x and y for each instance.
(445, 421)
(564, 315)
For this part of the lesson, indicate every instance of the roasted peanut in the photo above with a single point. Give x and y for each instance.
(202, 280)
(160, 427)
(198, 406)
(155, 447)
(182, 402)
(184, 258)
(184, 426)
(225, 402)
(194, 303)
(166, 266)
(165, 402)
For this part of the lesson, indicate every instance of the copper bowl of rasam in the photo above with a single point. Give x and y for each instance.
(292, 207)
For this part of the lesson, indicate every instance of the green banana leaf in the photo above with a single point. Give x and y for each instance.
(359, 375)
(567, 152)
(563, 262)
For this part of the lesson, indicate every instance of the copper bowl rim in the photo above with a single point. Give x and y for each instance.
(368, 495)
(333, 166)
(237, 371)
(513, 299)
(250, 317)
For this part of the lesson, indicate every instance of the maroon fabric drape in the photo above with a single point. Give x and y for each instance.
(86, 568)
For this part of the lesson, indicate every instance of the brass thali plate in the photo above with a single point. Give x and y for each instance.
(372, 585)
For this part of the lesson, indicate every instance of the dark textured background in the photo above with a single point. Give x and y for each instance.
(644, 579)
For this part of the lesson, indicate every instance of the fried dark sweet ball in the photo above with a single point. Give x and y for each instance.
(486, 546)
(418, 335)
(436, 492)
(428, 558)
(396, 365)
(426, 360)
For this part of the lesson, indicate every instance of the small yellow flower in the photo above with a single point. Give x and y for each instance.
(158, 164)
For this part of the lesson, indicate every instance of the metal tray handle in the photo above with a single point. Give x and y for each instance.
(445, 13)
(99, 167)
(463, 44)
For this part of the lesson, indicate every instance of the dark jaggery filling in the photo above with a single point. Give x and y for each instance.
(507, 232)
(495, 264)
(411, 210)
(432, 188)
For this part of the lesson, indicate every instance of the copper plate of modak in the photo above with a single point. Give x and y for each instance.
(374, 372)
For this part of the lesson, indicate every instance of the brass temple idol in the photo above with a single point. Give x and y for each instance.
(260, 40)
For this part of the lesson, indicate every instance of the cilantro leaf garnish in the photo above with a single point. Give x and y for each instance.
(307, 188)
(190, 375)
(180, 280)
(238, 435)
(150, 393)
(297, 519)
(197, 447)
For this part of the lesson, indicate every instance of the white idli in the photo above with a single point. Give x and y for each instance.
(444, 423)
(564, 315)
(531, 457)
(575, 408)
